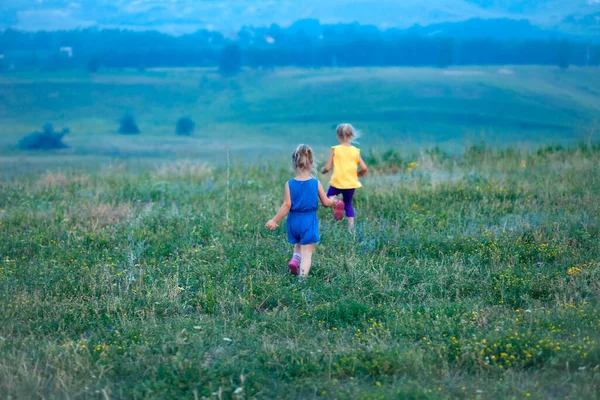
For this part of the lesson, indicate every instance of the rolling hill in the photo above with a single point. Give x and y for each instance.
(393, 106)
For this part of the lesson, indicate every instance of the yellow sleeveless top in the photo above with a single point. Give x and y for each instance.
(345, 167)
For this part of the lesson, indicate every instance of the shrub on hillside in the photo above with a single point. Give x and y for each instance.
(445, 56)
(564, 55)
(185, 126)
(128, 126)
(230, 62)
(94, 64)
(47, 139)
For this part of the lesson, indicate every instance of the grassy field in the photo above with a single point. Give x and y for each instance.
(260, 113)
(139, 267)
(470, 275)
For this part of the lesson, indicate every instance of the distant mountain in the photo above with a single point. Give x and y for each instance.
(545, 9)
(497, 28)
(588, 24)
(590, 20)
(182, 16)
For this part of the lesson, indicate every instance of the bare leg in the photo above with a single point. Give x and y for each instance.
(306, 252)
(297, 248)
(351, 223)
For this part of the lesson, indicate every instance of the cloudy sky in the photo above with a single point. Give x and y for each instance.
(179, 16)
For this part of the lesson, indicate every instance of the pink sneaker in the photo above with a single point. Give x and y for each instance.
(294, 266)
(338, 212)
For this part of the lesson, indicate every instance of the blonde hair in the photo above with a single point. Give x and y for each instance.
(302, 158)
(346, 132)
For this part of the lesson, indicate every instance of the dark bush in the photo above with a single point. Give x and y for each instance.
(445, 53)
(94, 64)
(128, 126)
(564, 55)
(185, 126)
(45, 140)
(549, 149)
(230, 62)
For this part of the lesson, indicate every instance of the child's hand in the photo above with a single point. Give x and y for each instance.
(271, 225)
(362, 172)
(334, 200)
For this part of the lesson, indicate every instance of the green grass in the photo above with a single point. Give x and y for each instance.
(471, 275)
(392, 106)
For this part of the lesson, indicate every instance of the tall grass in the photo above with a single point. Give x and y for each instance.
(473, 275)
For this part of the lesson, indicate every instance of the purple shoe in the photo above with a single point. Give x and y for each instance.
(294, 266)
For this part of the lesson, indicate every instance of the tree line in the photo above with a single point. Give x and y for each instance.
(307, 44)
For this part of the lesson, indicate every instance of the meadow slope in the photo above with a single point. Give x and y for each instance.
(262, 112)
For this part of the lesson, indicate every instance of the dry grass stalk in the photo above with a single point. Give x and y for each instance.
(183, 169)
(96, 216)
(60, 179)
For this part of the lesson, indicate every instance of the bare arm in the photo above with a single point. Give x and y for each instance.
(283, 210)
(363, 167)
(329, 164)
(326, 201)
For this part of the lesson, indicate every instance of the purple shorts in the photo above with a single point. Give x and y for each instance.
(347, 195)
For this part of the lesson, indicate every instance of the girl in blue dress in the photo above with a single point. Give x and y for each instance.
(301, 201)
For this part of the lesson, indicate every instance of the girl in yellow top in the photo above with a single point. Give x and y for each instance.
(345, 160)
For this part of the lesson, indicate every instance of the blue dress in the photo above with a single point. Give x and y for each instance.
(302, 222)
